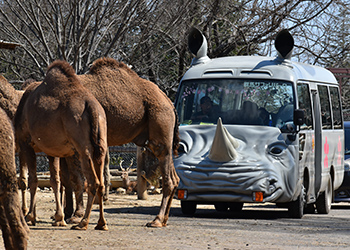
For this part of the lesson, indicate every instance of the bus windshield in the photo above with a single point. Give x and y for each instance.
(236, 101)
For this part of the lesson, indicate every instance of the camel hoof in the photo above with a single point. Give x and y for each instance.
(101, 227)
(154, 224)
(105, 198)
(30, 220)
(78, 227)
(25, 211)
(73, 220)
(59, 224)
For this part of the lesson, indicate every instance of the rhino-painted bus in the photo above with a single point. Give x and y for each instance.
(258, 129)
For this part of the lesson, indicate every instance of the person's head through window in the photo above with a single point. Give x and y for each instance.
(206, 105)
(206, 112)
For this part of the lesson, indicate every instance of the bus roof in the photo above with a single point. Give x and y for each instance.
(257, 67)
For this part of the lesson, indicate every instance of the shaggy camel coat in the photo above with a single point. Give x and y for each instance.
(14, 228)
(9, 97)
(60, 118)
(138, 111)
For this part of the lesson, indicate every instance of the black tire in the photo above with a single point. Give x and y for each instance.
(282, 205)
(188, 207)
(221, 206)
(324, 201)
(235, 206)
(309, 208)
(296, 208)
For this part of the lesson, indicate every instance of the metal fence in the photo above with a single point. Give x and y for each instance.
(127, 153)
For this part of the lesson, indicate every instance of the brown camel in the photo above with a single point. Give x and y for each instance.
(9, 97)
(60, 118)
(14, 228)
(9, 100)
(138, 111)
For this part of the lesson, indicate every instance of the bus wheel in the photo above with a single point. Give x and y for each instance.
(188, 207)
(221, 206)
(235, 206)
(296, 208)
(324, 201)
(309, 208)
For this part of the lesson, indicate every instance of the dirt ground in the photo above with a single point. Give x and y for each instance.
(265, 228)
(125, 215)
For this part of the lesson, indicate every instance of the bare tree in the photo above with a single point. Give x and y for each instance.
(152, 35)
(73, 30)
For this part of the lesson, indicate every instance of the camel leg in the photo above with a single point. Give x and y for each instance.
(100, 168)
(16, 229)
(67, 194)
(170, 182)
(79, 207)
(106, 177)
(141, 182)
(102, 223)
(94, 184)
(27, 159)
(22, 181)
(6, 230)
(56, 184)
(76, 184)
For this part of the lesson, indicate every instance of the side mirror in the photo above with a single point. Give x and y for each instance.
(298, 117)
(298, 120)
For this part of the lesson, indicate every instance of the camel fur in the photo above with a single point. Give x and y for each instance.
(60, 118)
(14, 228)
(9, 97)
(138, 111)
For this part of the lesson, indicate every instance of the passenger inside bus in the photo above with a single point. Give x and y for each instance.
(265, 116)
(208, 113)
(249, 114)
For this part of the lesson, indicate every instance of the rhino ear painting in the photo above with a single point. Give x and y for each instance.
(224, 145)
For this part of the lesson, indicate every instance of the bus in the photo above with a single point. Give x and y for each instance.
(258, 129)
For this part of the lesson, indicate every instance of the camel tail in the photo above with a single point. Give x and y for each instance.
(95, 135)
(176, 138)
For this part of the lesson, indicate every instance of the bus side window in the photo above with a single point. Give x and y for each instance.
(325, 107)
(336, 108)
(304, 101)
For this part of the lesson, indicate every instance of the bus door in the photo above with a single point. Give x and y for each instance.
(317, 139)
(307, 141)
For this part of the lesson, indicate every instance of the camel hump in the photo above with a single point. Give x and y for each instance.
(110, 63)
(64, 67)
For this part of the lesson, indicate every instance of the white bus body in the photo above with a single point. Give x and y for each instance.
(257, 145)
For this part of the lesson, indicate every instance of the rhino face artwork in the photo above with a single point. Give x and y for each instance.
(260, 161)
